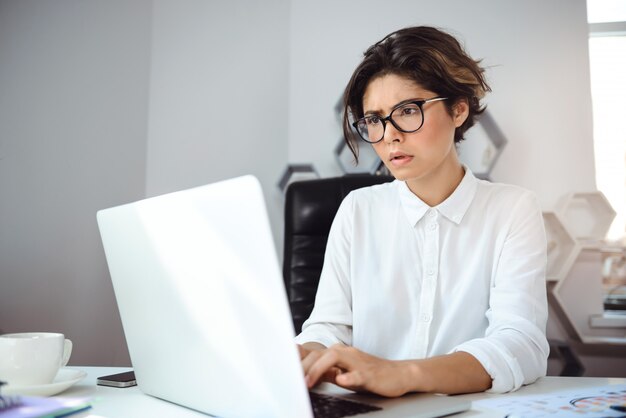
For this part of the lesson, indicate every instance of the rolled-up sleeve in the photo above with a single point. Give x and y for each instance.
(331, 320)
(514, 350)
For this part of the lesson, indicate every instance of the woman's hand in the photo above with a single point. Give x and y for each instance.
(355, 370)
(308, 348)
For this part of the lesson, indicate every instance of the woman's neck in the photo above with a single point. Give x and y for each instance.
(438, 185)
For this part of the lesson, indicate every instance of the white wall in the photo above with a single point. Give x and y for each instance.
(218, 96)
(72, 140)
(538, 67)
(106, 102)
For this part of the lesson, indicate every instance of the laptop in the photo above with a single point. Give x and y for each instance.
(204, 308)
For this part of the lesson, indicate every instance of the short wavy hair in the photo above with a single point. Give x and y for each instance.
(430, 57)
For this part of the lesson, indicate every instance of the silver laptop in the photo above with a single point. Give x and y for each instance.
(204, 308)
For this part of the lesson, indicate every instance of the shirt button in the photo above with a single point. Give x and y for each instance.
(433, 214)
(430, 272)
(433, 227)
(425, 317)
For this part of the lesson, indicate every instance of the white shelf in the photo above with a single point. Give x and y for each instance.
(482, 146)
(297, 172)
(605, 340)
(369, 163)
(588, 216)
(580, 296)
(562, 247)
(607, 320)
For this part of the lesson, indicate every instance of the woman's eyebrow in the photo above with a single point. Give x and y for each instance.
(401, 103)
(372, 112)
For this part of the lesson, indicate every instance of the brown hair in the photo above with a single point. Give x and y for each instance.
(431, 58)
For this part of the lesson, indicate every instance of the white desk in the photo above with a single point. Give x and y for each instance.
(132, 403)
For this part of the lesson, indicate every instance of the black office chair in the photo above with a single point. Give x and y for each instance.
(310, 208)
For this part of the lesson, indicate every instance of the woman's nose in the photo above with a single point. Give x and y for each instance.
(392, 134)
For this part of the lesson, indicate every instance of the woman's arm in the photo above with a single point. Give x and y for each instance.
(352, 369)
(514, 350)
(458, 372)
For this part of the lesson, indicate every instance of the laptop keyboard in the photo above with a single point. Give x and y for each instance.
(326, 406)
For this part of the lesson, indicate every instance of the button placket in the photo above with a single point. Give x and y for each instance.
(429, 273)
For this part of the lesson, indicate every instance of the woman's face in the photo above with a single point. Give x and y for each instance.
(419, 155)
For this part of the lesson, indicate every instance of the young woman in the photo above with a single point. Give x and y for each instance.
(434, 282)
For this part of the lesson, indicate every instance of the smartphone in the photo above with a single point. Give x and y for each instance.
(119, 380)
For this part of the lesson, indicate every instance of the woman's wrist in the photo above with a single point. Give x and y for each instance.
(312, 346)
(416, 380)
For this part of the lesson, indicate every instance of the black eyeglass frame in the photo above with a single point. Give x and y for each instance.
(420, 104)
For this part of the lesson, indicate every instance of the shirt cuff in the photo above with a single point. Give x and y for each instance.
(318, 334)
(504, 369)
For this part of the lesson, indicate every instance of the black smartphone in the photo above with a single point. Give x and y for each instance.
(118, 380)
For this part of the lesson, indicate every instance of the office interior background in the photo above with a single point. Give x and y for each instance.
(107, 102)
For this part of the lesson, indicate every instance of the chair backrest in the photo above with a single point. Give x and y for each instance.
(310, 208)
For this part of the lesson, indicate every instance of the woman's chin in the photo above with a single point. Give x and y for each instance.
(402, 175)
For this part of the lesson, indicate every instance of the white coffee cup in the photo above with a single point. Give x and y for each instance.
(32, 358)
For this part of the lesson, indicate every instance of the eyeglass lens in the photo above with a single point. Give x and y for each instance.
(406, 118)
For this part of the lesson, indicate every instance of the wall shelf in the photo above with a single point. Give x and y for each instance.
(588, 215)
(297, 172)
(580, 297)
(368, 159)
(607, 320)
(562, 247)
(482, 146)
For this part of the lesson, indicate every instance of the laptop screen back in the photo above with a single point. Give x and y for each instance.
(202, 301)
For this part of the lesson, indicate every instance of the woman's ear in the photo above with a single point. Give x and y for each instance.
(460, 112)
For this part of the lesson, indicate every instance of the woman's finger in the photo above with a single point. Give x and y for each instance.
(350, 380)
(302, 351)
(330, 358)
(310, 359)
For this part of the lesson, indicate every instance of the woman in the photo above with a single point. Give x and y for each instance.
(434, 282)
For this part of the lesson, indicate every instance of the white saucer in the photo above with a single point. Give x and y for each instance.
(63, 380)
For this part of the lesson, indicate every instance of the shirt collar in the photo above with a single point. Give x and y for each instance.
(453, 208)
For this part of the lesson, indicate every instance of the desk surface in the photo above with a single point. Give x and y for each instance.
(131, 402)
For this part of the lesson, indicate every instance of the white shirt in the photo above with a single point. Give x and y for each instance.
(402, 280)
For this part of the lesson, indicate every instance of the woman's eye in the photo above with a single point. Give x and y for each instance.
(372, 120)
(408, 111)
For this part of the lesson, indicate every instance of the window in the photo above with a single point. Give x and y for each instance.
(607, 57)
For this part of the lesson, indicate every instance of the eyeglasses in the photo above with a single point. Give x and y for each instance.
(407, 117)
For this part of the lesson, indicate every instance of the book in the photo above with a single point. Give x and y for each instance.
(38, 407)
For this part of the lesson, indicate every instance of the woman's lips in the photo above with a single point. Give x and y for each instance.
(398, 160)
